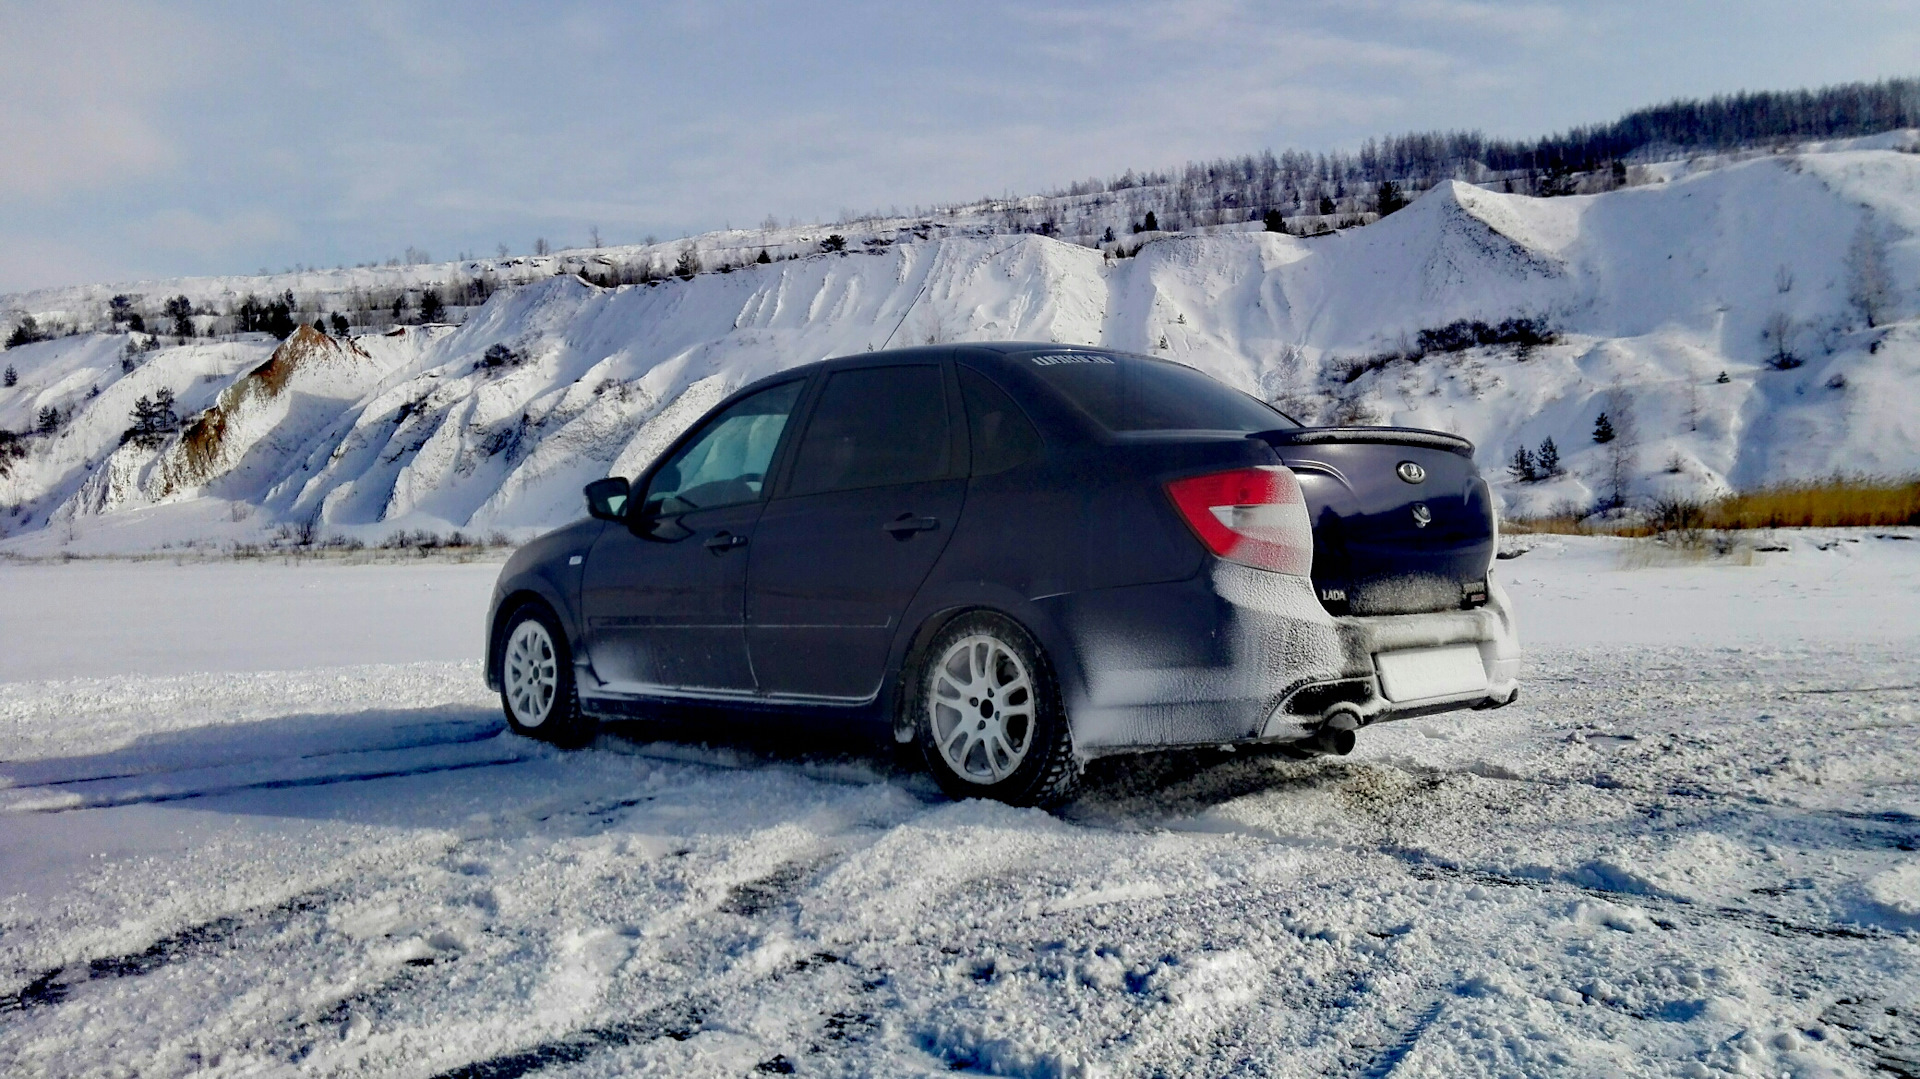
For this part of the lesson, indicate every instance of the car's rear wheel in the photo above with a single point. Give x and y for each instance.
(988, 717)
(536, 679)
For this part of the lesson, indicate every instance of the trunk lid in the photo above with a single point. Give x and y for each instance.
(1402, 521)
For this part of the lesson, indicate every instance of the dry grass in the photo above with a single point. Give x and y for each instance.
(1836, 502)
(1840, 502)
(1572, 524)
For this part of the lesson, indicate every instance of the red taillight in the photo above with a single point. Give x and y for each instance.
(1256, 516)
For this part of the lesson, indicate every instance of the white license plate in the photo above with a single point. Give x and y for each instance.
(1418, 673)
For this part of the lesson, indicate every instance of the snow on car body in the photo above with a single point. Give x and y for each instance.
(1020, 556)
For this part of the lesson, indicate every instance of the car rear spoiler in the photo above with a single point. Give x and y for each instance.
(1388, 436)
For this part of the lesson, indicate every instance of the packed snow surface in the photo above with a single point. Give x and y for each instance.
(287, 834)
(1740, 325)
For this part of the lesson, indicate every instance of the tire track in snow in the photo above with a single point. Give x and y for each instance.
(1392, 1056)
(224, 934)
(479, 734)
(275, 784)
(686, 1013)
(1693, 793)
(1422, 864)
(211, 937)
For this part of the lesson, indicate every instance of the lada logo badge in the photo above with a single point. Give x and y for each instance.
(1411, 472)
(1422, 516)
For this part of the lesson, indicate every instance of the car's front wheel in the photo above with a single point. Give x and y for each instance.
(536, 680)
(988, 715)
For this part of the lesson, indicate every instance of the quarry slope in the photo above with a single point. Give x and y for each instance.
(1672, 304)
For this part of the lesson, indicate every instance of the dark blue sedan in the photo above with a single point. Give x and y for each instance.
(1018, 556)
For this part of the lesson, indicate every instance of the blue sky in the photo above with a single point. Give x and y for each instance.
(142, 140)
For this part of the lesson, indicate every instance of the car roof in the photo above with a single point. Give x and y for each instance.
(997, 354)
(993, 350)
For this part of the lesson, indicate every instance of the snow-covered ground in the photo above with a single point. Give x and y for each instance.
(264, 819)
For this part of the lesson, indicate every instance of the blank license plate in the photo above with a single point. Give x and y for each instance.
(1430, 672)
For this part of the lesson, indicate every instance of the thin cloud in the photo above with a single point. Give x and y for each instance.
(86, 88)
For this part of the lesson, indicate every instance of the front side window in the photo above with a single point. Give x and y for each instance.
(875, 426)
(726, 463)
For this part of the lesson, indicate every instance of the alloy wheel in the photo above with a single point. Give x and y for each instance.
(980, 704)
(532, 673)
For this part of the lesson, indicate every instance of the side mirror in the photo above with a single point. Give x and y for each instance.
(607, 499)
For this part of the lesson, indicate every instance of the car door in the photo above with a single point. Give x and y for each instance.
(664, 596)
(870, 499)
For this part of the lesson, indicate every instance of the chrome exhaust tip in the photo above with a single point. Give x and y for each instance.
(1335, 734)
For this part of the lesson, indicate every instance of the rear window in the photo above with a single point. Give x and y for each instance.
(1133, 393)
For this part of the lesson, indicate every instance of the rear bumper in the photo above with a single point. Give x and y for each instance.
(1237, 654)
(1489, 630)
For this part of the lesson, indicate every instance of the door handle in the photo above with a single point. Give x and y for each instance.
(722, 542)
(907, 524)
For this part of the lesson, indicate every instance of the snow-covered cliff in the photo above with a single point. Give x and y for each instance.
(1654, 292)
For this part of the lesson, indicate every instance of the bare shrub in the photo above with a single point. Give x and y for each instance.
(1681, 521)
(1779, 333)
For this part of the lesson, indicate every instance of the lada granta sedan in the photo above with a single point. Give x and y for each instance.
(1020, 557)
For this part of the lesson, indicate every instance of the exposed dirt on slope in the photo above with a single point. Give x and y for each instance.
(204, 450)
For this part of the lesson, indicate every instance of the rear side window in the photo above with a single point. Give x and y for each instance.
(1001, 435)
(875, 426)
(1132, 393)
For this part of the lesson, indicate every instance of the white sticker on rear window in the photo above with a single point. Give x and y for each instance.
(1051, 358)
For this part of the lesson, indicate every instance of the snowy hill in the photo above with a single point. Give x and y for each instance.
(1651, 293)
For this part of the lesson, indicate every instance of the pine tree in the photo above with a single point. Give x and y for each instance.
(1327, 208)
(1522, 466)
(1274, 222)
(430, 306)
(689, 263)
(1390, 197)
(26, 333)
(764, 259)
(1107, 237)
(1151, 224)
(279, 318)
(48, 421)
(12, 376)
(153, 419)
(1548, 458)
(180, 310)
(340, 324)
(1603, 430)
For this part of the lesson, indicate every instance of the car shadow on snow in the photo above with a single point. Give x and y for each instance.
(1151, 783)
(265, 755)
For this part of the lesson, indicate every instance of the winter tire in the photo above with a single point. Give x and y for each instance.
(987, 714)
(536, 679)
